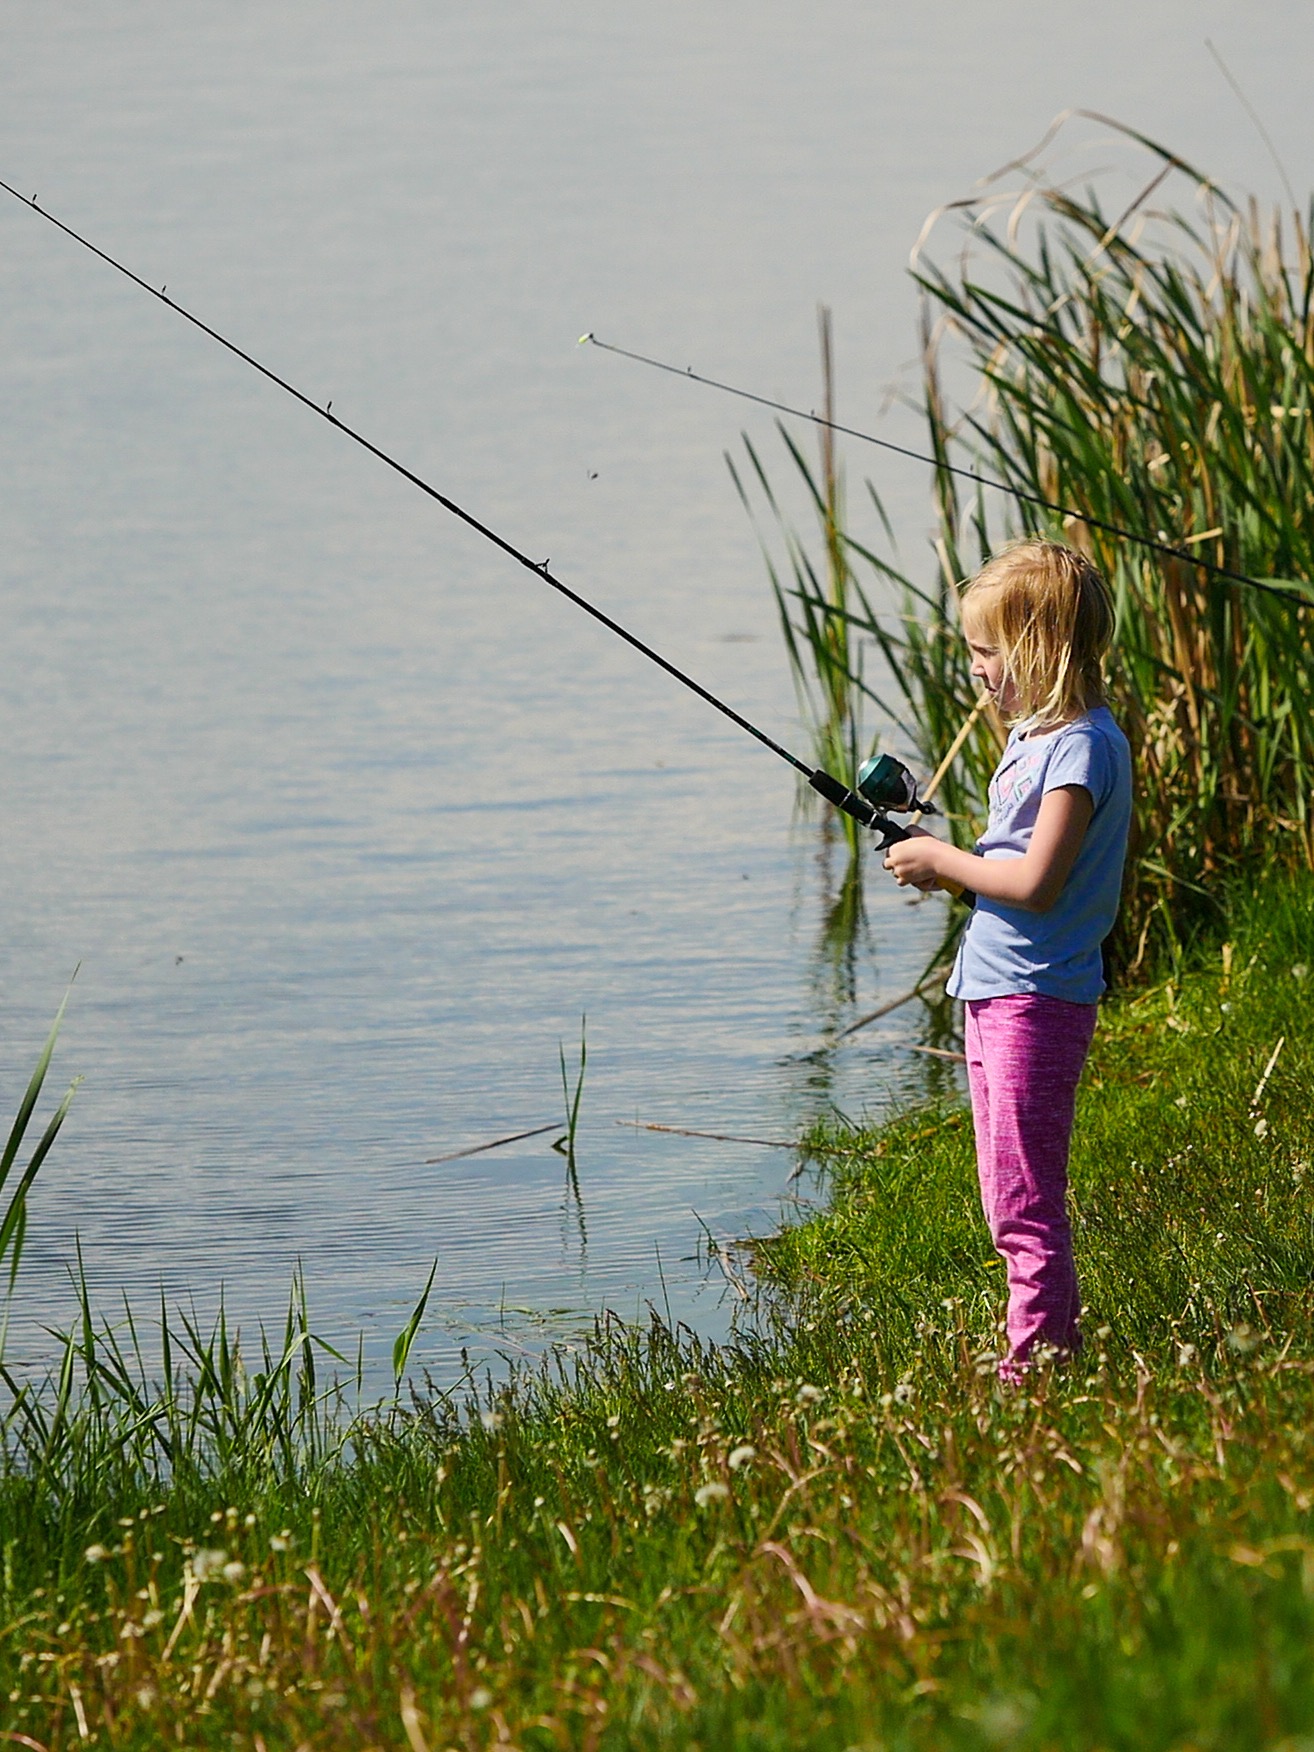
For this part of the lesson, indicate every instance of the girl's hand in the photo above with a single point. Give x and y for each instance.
(915, 862)
(1032, 882)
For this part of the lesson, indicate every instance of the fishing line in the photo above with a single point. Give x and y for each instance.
(1148, 541)
(831, 788)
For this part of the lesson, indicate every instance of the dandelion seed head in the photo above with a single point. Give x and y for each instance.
(208, 1563)
(715, 1492)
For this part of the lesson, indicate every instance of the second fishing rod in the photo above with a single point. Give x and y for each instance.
(884, 785)
(1158, 544)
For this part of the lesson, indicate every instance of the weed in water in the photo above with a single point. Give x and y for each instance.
(401, 1349)
(565, 1144)
(13, 1224)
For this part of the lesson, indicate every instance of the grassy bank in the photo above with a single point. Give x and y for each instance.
(839, 1534)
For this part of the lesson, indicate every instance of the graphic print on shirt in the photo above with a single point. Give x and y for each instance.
(1014, 785)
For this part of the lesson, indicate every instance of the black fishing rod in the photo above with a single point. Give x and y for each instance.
(1158, 545)
(887, 786)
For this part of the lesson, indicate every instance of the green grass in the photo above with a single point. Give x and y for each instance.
(839, 1533)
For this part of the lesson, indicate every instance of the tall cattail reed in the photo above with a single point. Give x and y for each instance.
(1156, 372)
(820, 604)
(1153, 369)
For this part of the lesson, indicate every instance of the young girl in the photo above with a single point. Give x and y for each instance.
(1047, 873)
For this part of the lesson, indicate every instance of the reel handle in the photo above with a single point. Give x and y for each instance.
(834, 791)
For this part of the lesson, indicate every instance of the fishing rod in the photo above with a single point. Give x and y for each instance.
(1158, 545)
(883, 785)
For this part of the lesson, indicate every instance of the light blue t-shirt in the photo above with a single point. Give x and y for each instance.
(1005, 949)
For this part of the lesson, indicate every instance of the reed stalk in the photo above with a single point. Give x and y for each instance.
(818, 601)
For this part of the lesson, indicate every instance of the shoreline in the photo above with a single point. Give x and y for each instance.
(838, 1531)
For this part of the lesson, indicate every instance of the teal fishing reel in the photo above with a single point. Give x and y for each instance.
(887, 783)
(883, 783)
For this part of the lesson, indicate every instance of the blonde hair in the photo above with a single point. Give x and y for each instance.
(1050, 615)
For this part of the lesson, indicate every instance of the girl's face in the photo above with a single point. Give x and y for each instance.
(988, 663)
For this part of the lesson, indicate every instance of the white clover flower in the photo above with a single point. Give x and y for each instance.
(280, 1542)
(903, 1392)
(480, 1697)
(1185, 1355)
(711, 1493)
(741, 1456)
(807, 1395)
(208, 1563)
(234, 1571)
(1261, 1127)
(1299, 970)
(96, 1553)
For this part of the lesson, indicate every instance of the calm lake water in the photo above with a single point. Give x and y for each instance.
(345, 819)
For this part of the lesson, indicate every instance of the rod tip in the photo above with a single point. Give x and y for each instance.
(587, 337)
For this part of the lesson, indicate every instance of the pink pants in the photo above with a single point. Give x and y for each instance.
(1024, 1059)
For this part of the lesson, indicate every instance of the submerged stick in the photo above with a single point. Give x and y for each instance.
(680, 1131)
(927, 979)
(478, 1149)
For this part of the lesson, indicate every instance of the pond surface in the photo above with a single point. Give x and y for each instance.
(346, 820)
